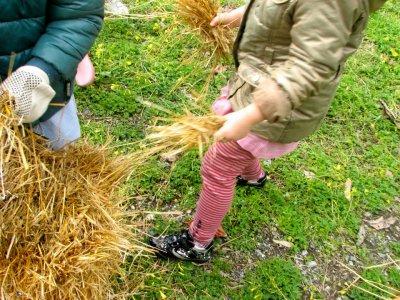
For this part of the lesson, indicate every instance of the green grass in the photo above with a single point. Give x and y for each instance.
(139, 59)
(273, 279)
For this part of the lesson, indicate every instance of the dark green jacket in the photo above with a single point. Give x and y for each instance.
(53, 35)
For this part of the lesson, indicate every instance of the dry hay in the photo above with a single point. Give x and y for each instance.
(178, 134)
(64, 231)
(64, 228)
(374, 288)
(197, 15)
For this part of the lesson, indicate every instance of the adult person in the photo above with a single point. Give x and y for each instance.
(43, 41)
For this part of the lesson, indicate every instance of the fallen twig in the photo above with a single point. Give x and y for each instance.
(383, 288)
(383, 265)
(391, 116)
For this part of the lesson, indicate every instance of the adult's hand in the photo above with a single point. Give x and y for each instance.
(32, 93)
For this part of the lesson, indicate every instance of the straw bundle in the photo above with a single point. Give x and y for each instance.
(197, 14)
(183, 133)
(63, 228)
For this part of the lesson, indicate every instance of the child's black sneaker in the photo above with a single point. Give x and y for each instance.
(180, 246)
(254, 183)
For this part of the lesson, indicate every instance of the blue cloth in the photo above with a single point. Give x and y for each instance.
(62, 128)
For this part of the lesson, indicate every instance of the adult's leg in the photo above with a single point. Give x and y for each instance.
(62, 128)
(221, 165)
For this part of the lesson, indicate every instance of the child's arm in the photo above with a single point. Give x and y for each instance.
(239, 123)
(231, 19)
(270, 103)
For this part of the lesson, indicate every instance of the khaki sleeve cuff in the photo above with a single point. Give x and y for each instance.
(272, 93)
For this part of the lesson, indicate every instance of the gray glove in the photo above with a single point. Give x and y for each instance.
(31, 90)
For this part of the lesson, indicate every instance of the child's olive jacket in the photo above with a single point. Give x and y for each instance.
(302, 45)
(53, 35)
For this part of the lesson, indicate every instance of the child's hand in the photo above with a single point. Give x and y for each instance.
(239, 123)
(231, 19)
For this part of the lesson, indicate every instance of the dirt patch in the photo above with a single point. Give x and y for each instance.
(325, 276)
(326, 270)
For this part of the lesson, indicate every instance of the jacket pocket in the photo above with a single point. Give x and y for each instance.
(270, 12)
(234, 86)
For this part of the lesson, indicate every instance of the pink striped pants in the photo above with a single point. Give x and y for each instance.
(222, 163)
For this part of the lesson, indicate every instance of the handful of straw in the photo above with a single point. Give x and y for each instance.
(198, 14)
(184, 133)
(64, 230)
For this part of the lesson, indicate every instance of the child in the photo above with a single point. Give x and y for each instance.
(289, 56)
(48, 39)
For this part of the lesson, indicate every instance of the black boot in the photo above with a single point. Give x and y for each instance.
(259, 183)
(180, 246)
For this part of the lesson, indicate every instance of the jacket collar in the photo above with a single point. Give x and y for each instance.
(240, 33)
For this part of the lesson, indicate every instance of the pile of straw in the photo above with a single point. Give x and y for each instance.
(63, 229)
(197, 15)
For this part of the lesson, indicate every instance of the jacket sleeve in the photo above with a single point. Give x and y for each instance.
(72, 27)
(320, 32)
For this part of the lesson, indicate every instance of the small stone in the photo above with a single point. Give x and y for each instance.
(260, 254)
(86, 112)
(389, 174)
(367, 215)
(312, 264)
(223, 274)
(327, 288)
(150, 217)
(352, 258)
(312, 246)
(304, 253)
(117, 7)
(267, 162)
